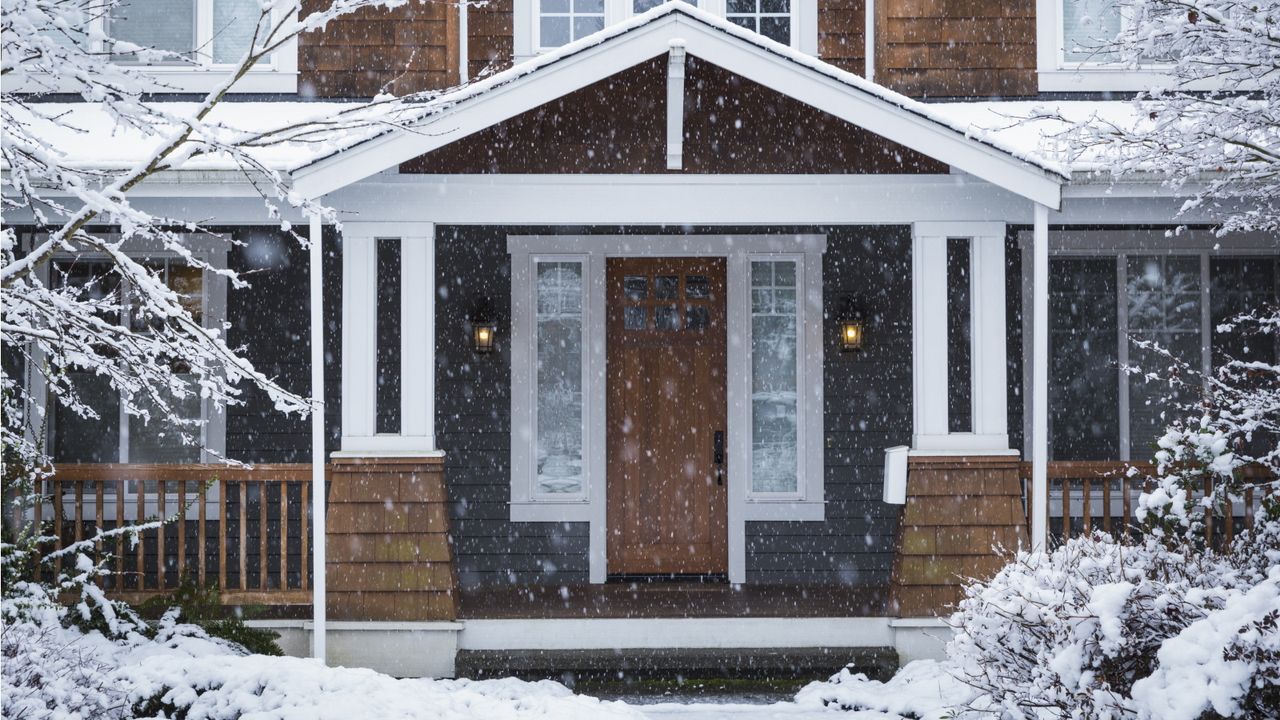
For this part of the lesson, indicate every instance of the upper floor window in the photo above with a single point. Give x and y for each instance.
(542, 25)
(1074, 40)
(204, 32)
(771, 18)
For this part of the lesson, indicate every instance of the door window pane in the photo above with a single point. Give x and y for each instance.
(160, 24)
(559, 377)
(774, 418)
(1083, 382)
(1164, 307)
(1087, 27)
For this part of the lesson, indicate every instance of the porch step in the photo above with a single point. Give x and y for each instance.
(568, 666)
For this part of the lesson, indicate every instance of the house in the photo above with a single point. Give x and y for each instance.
(748, 329)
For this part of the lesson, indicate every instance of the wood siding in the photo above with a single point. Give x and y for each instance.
(372, 50)
(842, 34)
(957, 48)
(732, 125)
(490, 44)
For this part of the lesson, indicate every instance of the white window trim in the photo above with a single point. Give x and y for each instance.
(1118, 246)
(525, 26)
(1060, 75)
(277, 75)
(743, 505)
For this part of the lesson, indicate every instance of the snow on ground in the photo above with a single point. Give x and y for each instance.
(182, 668)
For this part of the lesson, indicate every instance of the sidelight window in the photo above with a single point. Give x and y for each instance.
(559, 424)
(774, 401)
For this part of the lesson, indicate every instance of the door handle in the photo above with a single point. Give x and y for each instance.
(717, 455)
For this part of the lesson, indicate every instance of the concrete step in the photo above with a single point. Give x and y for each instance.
(791, 664)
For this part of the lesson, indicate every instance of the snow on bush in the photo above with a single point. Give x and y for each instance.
(54, 670)
(924, 689)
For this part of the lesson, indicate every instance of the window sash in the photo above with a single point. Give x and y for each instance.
(210, 29)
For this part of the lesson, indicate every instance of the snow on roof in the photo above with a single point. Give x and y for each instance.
(91, 138)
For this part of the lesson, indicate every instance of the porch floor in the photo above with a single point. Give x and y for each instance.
(671, 600)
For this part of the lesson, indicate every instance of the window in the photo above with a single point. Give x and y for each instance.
(542, 25)
(1099, 305)
(1072, 38)
(562, 21)
(771, 18)
(115, 435)
(207, 36)
(559, 378)
(1089, 26)
(774, 411)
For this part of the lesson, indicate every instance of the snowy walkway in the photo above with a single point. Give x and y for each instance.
(778, 711)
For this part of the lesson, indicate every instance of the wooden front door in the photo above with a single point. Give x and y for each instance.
(667, 475)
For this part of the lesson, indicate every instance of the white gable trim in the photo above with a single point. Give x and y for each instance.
(649, 36)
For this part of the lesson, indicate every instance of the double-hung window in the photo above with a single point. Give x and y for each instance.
(542, 25)
(1075, 48)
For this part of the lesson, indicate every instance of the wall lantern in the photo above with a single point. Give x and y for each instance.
(483, 333)
(853, 327)
(484, 330)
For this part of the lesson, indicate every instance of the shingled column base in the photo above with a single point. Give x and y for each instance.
(963, 518)
(388, 541)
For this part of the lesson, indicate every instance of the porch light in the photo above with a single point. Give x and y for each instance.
(483, 333)
(853, 327)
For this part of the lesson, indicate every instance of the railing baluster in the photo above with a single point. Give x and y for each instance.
(305, 539)
(182, 528)
(141, 537)
(119, 541)
(202, 496)
(98, 508)
(284, 535)
(224, 496)
(1088, 499)
(1229, 521)
(1127, 507)
(244, 535)
(262, 535)
(1066, 509)
(162, 512)
(1248, 507)
(1106, 505)
(79, 490)
(1208, 512)
(58, 527)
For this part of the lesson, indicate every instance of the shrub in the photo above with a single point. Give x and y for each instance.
(201, 606)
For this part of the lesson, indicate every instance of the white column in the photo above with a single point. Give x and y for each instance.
(418, 340)
(929, 338)
(316, 279)
(416, 436)
(1040, 379)
(989, 341)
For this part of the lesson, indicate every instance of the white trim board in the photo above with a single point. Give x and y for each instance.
(593, 251)
(581, 64)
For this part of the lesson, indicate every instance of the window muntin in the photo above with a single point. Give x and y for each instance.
(771, 18)
(560, 22)
(559, 422)
(775, 417)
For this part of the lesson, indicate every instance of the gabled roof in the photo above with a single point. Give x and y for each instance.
(525, 86)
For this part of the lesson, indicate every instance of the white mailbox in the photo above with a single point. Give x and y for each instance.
(895, 475)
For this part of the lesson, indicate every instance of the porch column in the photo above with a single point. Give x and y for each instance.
(963, 494)
(1040, 378)
(389, 554)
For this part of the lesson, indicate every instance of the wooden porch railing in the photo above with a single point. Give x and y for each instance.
(247, 529)
(1085, 496)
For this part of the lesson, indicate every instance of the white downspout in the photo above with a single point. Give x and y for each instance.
(1040, 379)
(316, 278)
(462, 42)
(869, 39)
